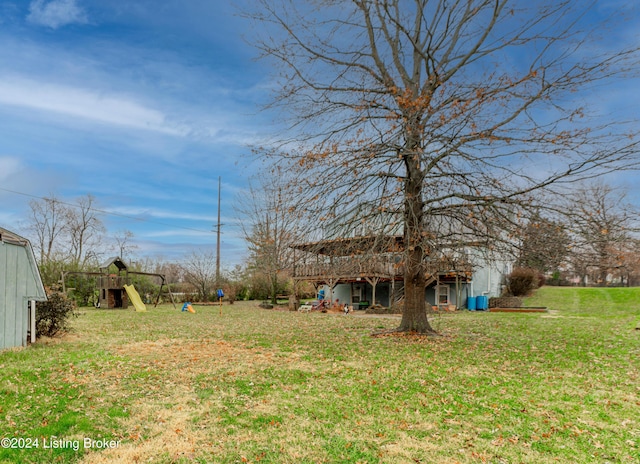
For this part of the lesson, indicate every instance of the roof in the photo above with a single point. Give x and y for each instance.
(116, 261)
(7, 236)
(354, 245)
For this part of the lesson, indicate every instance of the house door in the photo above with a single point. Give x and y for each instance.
(442, 295)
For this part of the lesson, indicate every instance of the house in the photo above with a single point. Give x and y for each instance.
(20, 287)
(366, 270)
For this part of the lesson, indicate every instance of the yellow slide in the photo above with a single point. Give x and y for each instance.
(135, 298)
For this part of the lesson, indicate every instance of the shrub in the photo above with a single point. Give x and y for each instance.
(230, 292)
(52, 316)
(522, 281)
(83, 290)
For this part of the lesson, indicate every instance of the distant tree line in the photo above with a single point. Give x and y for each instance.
(591, 238)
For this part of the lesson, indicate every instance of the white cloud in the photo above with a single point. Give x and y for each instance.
(83, 104)
(159, 213)
(180, 233)
(56, 13)
(9, 167)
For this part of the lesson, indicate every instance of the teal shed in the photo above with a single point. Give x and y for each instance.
(20, 287)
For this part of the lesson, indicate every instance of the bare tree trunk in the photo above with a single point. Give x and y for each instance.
(414, 315)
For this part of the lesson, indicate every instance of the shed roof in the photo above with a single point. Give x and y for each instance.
(7, 236)
(37, 288)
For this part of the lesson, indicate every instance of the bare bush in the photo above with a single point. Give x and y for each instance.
(522, 281)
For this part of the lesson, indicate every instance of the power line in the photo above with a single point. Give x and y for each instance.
(108, 213)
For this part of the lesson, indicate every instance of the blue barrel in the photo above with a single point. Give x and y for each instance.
(483, 302)
(471, 303)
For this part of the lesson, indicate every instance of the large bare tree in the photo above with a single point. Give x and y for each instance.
(124, 244)
(68, 231)
(48, 223)
(85, 230)
(444, 115)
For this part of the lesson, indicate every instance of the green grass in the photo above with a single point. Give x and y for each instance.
(258, 385)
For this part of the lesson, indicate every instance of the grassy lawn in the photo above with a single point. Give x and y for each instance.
(257, 385)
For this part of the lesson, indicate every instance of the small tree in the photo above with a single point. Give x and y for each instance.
(522, 281)
(53, 316)
(544, 245)
(268, 230)
(200, 271)
(235, 284)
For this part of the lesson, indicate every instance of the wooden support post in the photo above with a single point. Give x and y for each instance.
(351, 295)
(33, 320)
(392, 296)
(373, 281)
(160, 293)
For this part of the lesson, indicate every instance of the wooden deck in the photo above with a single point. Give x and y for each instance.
(348, 269)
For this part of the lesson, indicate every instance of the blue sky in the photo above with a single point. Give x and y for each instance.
(142, 104)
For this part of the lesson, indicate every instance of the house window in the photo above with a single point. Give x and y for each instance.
(442, 295)
(356, 296)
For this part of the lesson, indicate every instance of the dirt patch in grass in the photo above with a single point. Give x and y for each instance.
(165, 378)
(156, 429)
(188, 352)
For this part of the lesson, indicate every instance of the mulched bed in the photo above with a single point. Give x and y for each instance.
(519, 310)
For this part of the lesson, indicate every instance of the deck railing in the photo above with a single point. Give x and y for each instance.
(345, 267)
(367, 266)
(112, 281)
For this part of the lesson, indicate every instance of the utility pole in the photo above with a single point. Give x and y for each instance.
(218, 238)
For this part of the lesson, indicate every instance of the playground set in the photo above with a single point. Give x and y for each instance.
(115, 288)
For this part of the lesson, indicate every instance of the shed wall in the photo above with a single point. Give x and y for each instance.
(18, 285)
